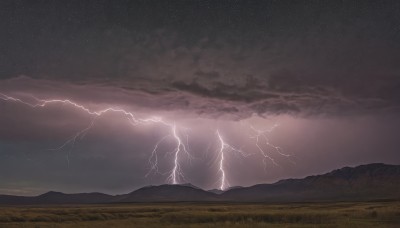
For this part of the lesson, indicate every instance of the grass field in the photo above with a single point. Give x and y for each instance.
(360, 214)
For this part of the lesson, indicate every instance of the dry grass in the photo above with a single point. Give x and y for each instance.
(362, 214)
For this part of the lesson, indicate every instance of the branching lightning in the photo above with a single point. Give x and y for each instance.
(153, 159)
(181, 140)
(180, 147)
(79, 135)
(176, 173)
(262, 135)
(225, 148)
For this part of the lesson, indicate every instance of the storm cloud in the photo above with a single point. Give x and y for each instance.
(313, 58)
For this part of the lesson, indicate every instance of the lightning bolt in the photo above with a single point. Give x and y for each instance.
(72, 140)
(176, 174)
(262, 135)
(223, 149)
(180, 147)
(153, 159)
(262, 143)
(221, 162)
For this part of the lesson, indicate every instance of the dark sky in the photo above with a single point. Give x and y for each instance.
(327, 73)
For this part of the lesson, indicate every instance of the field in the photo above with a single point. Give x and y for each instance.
(360, 214)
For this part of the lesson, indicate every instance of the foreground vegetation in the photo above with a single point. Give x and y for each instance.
(361, 214)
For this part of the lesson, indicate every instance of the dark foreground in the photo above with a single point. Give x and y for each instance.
(359, 214)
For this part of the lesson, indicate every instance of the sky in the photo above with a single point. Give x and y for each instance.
(110, 96)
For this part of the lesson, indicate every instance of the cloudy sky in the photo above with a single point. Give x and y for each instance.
(294, 88)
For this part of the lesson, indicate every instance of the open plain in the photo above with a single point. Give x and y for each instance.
(339, 214)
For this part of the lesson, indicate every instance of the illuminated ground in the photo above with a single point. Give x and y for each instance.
(360, 214)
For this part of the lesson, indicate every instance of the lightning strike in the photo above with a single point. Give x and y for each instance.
(263, 135)
(180, 147)
(153, 159)
(73, 139)
(225, 148)
(176, 174)
(221, 162)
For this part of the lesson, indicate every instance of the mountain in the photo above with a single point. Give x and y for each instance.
(58, 198)
(62, 198)
(8, 199)
(365, 182)
(219, 191)
(216, 191)
(169, 193)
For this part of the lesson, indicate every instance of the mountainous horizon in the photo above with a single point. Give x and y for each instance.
(365, 182)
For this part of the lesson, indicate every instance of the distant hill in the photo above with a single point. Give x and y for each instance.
(164, 193)
(216, 191)
(57, 198)
(365, 182)
(219, 191)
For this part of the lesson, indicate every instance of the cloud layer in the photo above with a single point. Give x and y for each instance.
(225, 60)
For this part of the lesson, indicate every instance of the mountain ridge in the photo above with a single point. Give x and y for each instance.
(363, 182)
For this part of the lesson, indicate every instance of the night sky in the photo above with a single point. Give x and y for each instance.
(316, 82)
